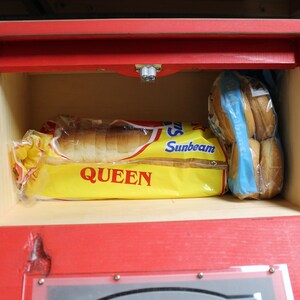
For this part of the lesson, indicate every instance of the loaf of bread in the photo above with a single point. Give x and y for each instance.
(224, 124)
(271, 164)
(87, 159)
(102, 145)
(262, 109)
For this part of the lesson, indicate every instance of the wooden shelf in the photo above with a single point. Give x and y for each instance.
(131, 211)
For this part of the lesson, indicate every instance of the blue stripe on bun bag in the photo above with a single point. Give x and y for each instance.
(232, 104)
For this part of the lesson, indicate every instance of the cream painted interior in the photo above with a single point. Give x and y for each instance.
(26, 100)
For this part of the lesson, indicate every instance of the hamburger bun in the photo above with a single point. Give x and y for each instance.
(271, 163)
(263, 112)
(225, 125)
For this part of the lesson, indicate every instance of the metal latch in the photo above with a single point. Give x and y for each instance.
(148, 72)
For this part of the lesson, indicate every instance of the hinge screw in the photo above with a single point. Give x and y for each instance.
(200, 275)
(117, 277)
(272, 270)
(41, 281)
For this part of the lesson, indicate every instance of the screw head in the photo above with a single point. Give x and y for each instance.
(117, 277)
(41, 281)
(272, 270)
(200, 275)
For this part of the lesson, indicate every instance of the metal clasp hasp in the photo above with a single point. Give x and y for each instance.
(148, 72)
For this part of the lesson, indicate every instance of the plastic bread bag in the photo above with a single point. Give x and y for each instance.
(85, 159)
(242, 115)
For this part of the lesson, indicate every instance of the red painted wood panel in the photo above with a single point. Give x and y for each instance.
(122, 55)
(165, 28)
(117, 248)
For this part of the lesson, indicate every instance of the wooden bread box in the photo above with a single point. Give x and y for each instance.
(90, 68)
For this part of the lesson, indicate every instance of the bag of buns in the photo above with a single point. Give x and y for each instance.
(83, 159)
(242, 115)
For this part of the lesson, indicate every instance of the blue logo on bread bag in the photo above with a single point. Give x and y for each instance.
(175, 129)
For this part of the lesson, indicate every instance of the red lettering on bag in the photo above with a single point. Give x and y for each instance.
(100, 174)
(131, 175)
(88, 174)
(146, 176)
(116, 176)
(197, 126)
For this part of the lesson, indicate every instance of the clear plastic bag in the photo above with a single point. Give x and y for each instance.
(85, 159)
(242, 115)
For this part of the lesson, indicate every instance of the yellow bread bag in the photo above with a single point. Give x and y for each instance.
(84, 159)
